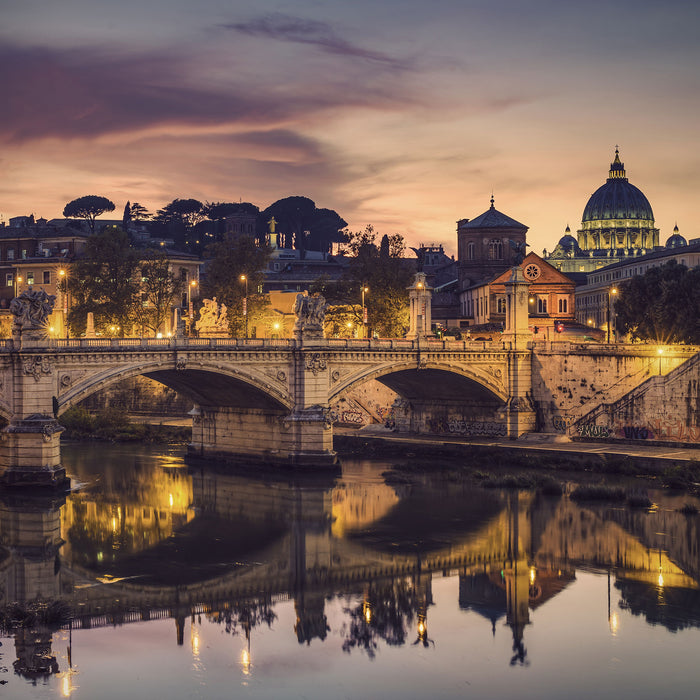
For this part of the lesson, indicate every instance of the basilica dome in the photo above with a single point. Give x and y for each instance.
(617, 199)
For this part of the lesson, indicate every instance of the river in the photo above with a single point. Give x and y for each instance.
(153, 578)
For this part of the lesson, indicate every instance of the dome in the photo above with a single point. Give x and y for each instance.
(676, 240)
(617, 198)
(567, 246)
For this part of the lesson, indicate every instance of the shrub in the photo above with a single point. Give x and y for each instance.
(599, 492)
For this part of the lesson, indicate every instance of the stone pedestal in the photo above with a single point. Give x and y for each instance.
(420, 300)
(517, 333)
(30, 453)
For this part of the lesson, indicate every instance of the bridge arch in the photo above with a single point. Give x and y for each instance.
(206, 384)
(432, 380)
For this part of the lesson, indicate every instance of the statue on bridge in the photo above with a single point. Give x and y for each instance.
(32, 309)
(213, 318)
(310, 312)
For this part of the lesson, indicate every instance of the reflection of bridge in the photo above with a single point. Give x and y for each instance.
(305, 541)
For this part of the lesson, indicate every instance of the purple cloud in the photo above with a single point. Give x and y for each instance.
(78, 93)
(296, 30)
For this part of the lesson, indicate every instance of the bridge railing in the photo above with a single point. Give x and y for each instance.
(225, 342)
(141, 343)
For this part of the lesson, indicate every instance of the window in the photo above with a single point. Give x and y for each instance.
(9, 279)
(495, 249)
(470, 250)
(563, 305)
(47, 277)
(501, 305)
(24, 253)
(10, 253)
(541, 305)
(30, 278)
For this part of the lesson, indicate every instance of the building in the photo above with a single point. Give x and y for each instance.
(551, 297)
(595, 300)
(487, 246)
(38, 254)
(617, 224)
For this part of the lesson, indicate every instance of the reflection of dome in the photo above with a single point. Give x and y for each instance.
(676, 240)
(617, 198)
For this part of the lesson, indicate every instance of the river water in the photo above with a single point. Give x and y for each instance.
(155, 579)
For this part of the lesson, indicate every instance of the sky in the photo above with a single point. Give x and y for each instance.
(403, 114)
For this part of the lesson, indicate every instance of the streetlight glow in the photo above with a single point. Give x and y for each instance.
(244, 279)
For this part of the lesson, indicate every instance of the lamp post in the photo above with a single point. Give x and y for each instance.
(244, 279)
(611, 291)
(364, 311)
(191, 288)
(660, 352)
(18, 281)
(63, 286)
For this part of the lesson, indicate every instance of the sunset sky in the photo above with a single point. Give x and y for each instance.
(402, 114)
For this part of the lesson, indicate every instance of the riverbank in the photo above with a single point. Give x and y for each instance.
(535, 451)
(114, 425)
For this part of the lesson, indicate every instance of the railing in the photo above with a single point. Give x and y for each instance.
(127, 344)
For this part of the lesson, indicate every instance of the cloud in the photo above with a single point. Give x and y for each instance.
(87, 93)
(281, 27)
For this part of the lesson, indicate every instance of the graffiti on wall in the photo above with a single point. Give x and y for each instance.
(654, 430)
(593, 431)
(457, 426)
(353, 417)
(561, 423)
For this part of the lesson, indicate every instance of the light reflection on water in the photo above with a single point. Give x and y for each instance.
(192, 583)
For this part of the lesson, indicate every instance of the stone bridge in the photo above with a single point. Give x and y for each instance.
(270, 400)
(254, 399)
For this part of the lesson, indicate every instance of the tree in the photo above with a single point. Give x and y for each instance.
(104, 281)
(302, 226)
(227, 261)
(88, 208)
(139, 212)
(384, 273)
(159, 287)
(178, 218)
(661, 306)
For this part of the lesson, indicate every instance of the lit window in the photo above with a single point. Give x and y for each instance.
(9, 279)
(30, 278)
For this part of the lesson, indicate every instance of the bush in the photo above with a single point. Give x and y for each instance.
(599, 492)
(78, 420)
(639, 500)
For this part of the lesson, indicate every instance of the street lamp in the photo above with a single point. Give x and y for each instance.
(63, 287)
(191, 288)
(244, 279)
(660, 352)
(364, 312)
(18, 281)
(611, 291)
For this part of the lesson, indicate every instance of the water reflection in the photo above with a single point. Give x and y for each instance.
(147, 539)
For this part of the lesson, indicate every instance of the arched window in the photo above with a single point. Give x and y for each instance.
(470, 250)
(495, 249)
